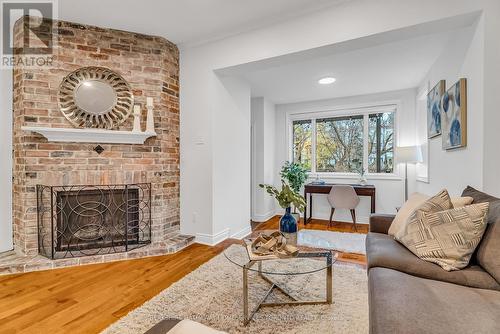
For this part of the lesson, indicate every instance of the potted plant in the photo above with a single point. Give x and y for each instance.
(286, 197)
(296, 175)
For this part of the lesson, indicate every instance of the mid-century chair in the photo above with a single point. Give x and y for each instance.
(343, 197)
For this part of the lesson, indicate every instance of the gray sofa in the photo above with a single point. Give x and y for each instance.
(409, 295)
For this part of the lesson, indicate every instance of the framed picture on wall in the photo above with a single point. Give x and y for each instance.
(434, 98)
(454, 116)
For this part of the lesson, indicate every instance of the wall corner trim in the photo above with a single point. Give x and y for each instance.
(212, 239)
(242, 233)
(260, 218)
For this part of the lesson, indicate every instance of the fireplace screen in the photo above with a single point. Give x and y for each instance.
(93, 220)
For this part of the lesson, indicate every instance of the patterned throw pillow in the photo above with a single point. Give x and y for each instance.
(447, 238)
(439, 202)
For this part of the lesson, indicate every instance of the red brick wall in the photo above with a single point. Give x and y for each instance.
(151, 66)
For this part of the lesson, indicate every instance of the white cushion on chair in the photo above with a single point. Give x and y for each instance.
(343, 197)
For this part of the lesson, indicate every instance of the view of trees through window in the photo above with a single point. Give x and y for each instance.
(339, 145)
(302, 143)
(381, 143)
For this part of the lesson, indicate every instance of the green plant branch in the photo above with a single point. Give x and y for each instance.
(286, 196)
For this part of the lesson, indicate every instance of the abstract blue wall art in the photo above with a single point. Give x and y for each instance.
(454, 116)
(434, 107)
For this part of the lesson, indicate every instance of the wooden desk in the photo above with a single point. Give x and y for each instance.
(361, 190)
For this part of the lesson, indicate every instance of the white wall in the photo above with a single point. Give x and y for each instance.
(6, 160)
(215, 154)
(475, 57)
(263, 156)
(389, 189)
(201, 89)
(231, 159)
(454, 170)
(196, 197)
(491, 138)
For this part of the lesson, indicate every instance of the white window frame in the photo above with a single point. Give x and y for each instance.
(365, 111)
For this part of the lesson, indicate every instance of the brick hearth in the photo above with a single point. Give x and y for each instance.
(13, 262)
(151, 65)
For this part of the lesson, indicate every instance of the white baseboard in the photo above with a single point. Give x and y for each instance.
(242, 233)
(212, 239)
(264, 217)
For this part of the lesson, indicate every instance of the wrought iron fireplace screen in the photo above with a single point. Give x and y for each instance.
(93, 220)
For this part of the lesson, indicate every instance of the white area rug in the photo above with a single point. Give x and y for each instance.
(339, 241)
(212, 294)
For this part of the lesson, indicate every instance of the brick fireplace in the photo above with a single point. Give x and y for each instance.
(151, 66)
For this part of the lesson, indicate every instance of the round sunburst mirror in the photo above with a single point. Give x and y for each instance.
(95, 97)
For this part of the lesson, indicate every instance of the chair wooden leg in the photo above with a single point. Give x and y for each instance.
(331, 217)
(353, 215)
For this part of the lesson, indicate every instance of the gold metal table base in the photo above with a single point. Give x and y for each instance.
(248, 316)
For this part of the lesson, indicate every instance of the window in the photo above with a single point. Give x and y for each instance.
(302, 143)
(339, 144)
(381, 142)
(345, 144)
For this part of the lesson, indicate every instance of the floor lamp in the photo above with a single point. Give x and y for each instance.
(408, 155)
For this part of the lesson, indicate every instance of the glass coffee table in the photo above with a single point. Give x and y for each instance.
(317, 260)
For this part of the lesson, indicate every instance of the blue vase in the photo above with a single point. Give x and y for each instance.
(288, 223)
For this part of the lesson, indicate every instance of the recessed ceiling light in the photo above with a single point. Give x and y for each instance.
(327, 81)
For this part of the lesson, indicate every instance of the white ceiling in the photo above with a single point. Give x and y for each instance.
(396, 60)
(386, 67)
(187, 21)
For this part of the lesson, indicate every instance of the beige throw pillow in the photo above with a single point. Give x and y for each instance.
(414, 201)
(447, 238)
(459, 202)
(439, 202)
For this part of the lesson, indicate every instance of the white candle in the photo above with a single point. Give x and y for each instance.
(150, 123)
(137, 118)
(149, 101)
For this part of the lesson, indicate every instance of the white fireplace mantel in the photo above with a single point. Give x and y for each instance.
(91, 135)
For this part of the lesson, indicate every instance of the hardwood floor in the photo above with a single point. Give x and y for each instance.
(87, 299)
(315, 224)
